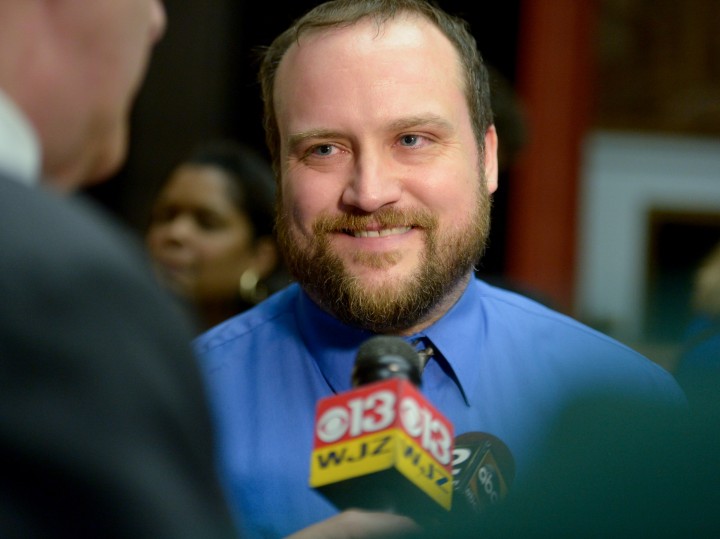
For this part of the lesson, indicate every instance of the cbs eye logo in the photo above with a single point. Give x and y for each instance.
(420, 423)
(376, 412)
(359, 416)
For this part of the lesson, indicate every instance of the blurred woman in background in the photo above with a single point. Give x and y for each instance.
(699, 356)
(210, 234)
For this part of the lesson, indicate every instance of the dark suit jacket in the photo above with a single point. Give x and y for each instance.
(104, 428)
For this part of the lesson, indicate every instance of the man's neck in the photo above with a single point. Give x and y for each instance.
(435, 314)
(440, 309)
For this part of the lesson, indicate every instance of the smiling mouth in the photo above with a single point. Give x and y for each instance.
(378, 233)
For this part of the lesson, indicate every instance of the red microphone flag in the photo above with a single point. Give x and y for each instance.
(383, 441)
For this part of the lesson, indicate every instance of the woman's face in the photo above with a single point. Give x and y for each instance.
(199, 240)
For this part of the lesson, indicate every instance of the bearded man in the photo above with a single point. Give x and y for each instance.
(378, 120)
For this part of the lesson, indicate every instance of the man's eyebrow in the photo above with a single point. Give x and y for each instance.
(425, 120)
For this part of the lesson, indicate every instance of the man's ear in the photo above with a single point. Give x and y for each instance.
(490, 159)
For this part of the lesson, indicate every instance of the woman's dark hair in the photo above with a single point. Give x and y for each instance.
(252, 186)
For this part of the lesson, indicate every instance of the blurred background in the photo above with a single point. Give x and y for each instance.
(609, 119)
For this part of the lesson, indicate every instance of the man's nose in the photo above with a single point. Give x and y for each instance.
(373, 182)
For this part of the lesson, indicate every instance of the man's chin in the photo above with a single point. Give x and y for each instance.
(387, 282)
(379, 267)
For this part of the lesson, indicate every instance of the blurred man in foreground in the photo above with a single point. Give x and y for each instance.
(103, 424)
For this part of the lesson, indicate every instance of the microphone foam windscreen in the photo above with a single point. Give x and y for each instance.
(382, 357)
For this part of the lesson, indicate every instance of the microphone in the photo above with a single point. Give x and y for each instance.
(483, 471)
(382, 446)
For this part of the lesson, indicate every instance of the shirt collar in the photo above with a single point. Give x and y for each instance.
(331, 343)
(19, 146)
(456, 336)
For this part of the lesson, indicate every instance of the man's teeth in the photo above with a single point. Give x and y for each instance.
(380, 233)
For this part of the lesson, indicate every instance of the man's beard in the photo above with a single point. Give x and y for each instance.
(398, 303)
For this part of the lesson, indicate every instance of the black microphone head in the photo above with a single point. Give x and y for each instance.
(483, 470)
(384, 356)
(483, 441)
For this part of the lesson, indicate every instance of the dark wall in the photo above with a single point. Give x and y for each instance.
(202, 84)
(185, 98)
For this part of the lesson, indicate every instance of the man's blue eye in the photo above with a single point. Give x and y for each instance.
(409, 140)
(324, 149)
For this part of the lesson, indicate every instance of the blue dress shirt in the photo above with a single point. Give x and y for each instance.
(504, 365)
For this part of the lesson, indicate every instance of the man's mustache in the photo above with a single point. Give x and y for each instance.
(383, 218)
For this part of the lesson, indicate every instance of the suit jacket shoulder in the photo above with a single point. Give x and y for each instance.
(104, 430)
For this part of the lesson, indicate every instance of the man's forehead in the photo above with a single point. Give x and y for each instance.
(350, 46)
(365, 35)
